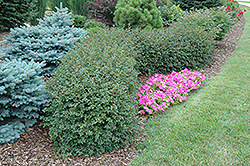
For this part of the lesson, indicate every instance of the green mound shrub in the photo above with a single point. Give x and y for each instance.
(170, 14)
(137, 14)
(47, 41)
(79, 21)
(198, 4)
(95, 26)
(103, 10)
(13, 13)
(213, 19)
(92, 103)
(175, 49)
(22, 96)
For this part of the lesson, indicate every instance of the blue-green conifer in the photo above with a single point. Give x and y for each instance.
(53, 36)
(22, 96)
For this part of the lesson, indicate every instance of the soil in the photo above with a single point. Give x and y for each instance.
(35, 147)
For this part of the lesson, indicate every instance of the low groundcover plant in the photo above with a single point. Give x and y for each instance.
(161, 90)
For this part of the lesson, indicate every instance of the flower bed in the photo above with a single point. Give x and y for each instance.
(160, 91)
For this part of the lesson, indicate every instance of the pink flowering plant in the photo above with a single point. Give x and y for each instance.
(160, 91)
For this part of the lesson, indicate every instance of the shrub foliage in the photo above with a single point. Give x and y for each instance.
(95, 27)
(175, 49)
(198, 4)
(213, 19)
(170, 14)
(37, 10)
(102, 10)
(137, 14)
(22, 95)
(13, 13)
(92, 106)
(47, 41)
(79, 21)
(78, 7)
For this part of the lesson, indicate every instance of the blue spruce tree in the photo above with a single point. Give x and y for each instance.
(22, 96)
(48, 41)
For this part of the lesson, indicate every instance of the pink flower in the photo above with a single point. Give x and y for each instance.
(141, 101)
(160, 91)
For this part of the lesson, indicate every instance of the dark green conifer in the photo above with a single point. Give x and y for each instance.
(13, 13)
(137, 13)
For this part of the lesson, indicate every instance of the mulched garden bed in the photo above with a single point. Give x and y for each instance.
(35, 147)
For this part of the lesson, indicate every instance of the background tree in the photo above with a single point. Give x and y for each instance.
(138, 13)
(13, 13)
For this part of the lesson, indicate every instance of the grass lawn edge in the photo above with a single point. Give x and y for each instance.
(212, 126)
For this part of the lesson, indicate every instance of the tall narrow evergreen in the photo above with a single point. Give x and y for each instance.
(78, 7)
(37, 10)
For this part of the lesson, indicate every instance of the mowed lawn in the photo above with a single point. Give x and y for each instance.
(213, 126)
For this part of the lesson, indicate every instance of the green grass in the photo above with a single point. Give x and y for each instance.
(244, 1)
(213, 126)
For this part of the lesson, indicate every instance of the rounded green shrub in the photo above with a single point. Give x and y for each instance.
(137, 14)
(213, 19)
(198, 4)
(79, 21)
(175, 49)
(223, 21)
(92, 103)
(95, 26)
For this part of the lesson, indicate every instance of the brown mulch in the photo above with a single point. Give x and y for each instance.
(35, 147)
(2, 35)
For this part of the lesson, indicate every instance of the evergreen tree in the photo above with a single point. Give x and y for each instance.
(13, 13)
(22, 96)
(137, 13)
(47, 41)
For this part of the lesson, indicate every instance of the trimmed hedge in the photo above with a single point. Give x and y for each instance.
(92, 103)
(213, 19)
(175, 49)
(198, 4)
